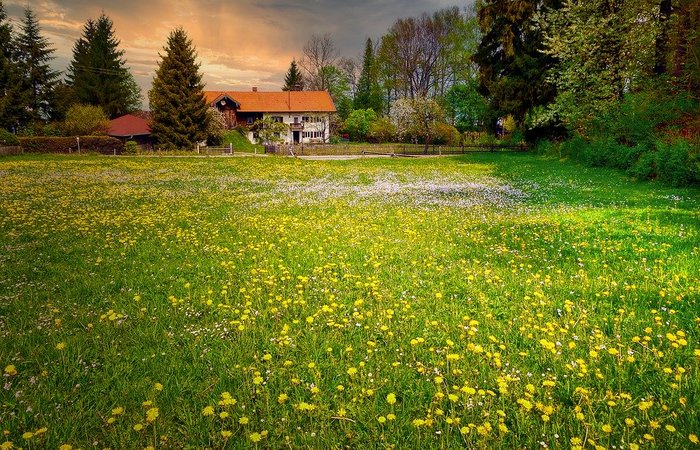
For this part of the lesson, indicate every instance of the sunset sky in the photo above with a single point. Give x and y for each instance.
(240, 44)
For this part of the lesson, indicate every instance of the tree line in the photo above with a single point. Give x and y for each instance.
(612, 82)
(97, 84)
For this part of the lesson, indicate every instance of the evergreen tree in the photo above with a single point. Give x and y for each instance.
(369, 94)
(177, 98)
(7, 68)
(98, 72)
(512, 68)
(294, 80)
(36, 78)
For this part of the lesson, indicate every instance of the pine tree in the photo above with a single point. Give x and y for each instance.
(294, 80)
(177, 98)
(98, 72)
(37, 79)
(369, 94)
(513, 69)
(6, 71)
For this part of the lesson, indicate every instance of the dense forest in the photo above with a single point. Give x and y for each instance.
(608, 82)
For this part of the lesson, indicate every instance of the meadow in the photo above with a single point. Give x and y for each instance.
(481, 301)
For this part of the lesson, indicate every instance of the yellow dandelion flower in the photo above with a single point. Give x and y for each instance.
(7, 445)
(27, 435)
(670, 428)
(11, 370)
(381, 419)
(117, 411)
(393, 417)
(391, 398)
(629, 422)
(63, 447)
(208, 411)
(138, 427)
(255, 437)
(282, 398)
(243, 420)
(158, 387)
(223, 415)
(226, 434)
(152, 414)
(693, 438)
(60, 346)
(352, 371)
(607, 428)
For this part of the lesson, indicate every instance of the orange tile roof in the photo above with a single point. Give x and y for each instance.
(292, 101)
(128, 125)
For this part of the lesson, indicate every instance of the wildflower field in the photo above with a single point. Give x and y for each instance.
(484, 301)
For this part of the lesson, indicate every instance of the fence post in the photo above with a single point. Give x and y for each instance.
(198, 149)
(230, 148)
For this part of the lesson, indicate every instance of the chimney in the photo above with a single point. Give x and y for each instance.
(255, 89)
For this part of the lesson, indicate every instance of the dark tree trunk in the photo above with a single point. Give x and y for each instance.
(665, 11)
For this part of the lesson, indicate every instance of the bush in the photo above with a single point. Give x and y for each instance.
(446, 134)
(382, 130)
(98, 144)
(131, 148)
(85, 120)
(359, 122)
(7, 139)
(673, 163)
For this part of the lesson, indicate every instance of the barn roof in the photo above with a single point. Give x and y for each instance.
(289, 101)
(128, 125)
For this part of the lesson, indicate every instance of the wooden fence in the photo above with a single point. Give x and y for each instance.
(390, 149)
(11, 150)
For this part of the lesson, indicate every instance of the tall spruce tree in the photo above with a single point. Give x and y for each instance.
(513, 68)
(7, 68)
(369, 94)
(294, 80)
(36, 78)
(178, 108)
(98, 72)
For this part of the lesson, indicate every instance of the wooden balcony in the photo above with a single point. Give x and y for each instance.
(296, 126)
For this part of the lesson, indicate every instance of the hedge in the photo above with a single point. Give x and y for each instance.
(88, 144)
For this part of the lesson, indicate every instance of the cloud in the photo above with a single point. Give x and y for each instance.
(239, 43)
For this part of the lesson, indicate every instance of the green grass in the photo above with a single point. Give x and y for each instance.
(485, 301)
(241, 143)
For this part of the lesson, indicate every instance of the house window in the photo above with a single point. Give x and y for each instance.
(277, 118)
(305, 119)
(249, 121)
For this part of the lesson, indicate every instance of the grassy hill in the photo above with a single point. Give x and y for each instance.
(240, 142)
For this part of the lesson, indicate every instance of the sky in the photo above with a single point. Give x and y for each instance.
(240, 44)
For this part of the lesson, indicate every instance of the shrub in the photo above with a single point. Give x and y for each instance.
(98, 144)
(359, 122)
(446, 134)
(131, 148)
(382, 130)
(85, 120)
(673, 163)
(7, 139)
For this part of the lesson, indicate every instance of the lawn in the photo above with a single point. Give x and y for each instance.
(484, 301)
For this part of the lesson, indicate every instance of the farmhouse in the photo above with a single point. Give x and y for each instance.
(306, 112)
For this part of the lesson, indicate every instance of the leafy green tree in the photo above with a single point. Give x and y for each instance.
(513, 70)
(269, 131)
(98, 72)
(601, 51)
(369, 94)
(82, 120)
(467, 106)
(36, 78)
(359, 123)
(294, 80)
(178, 107)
